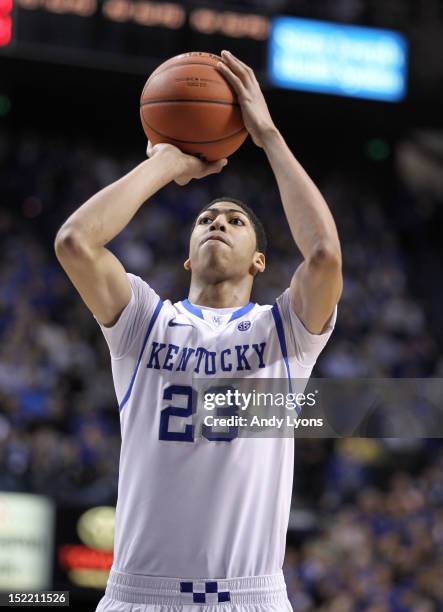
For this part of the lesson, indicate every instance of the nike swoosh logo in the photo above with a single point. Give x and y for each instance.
(172, 323)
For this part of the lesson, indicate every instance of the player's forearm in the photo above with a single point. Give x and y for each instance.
(108, 212)
(310, 220)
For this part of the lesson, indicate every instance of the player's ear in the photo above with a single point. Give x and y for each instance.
(187, 265)
(258, 263)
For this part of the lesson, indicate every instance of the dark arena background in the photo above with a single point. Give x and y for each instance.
(366, 527)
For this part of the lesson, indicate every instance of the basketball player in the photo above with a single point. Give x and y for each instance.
(201, 521)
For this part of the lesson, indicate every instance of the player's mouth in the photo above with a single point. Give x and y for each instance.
(218, 237)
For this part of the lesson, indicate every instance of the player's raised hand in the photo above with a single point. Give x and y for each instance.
(188, 167)
(256, 116)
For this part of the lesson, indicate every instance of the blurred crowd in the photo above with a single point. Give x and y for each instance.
(380, 551)
(59, 428)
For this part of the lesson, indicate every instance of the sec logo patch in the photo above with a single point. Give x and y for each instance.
(244, 325)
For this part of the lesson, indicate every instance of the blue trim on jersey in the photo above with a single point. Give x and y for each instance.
(195, 310)
(150, 326)
(282, 340)
(241, 311)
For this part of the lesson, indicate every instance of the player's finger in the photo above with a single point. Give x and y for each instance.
(149, 149)
(217, 166)
(231, 57)
(236, 64)
(232, 78)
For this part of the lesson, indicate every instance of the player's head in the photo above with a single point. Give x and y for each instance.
(227, 241)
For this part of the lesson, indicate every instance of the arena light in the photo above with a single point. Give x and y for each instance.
(5, 22)
(337, 59)
(377, 149)
(85, 567)
(5, 105)
(229, 23)
(88, 564)
(82, 8)
(96, 526)
(166, 14)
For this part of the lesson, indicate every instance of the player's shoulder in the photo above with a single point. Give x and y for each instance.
(147, 299)
(280, 300)
(262, 309)
(142, 290)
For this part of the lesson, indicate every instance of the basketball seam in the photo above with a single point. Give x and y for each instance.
(180, 64)
(191, 141)
(189, 100)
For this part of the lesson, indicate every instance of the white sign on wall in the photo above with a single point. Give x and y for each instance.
(26, 541)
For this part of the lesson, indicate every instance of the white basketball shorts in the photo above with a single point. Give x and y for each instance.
(135, 593)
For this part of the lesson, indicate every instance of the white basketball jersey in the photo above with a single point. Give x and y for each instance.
(190, 507)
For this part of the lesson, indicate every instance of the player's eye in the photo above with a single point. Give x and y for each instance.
(241, 222)
(203, 220)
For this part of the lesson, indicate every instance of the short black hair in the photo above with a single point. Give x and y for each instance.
(260, 234)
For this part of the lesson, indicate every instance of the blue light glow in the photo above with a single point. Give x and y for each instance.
(338, 59)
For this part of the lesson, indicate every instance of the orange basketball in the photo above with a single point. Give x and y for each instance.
(188, 103)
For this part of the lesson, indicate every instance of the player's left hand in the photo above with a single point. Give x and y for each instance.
(256, 116)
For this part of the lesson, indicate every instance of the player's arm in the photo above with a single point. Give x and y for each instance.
(317, 283)
(80, 244)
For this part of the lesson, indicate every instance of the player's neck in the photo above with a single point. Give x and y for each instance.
(225, 294)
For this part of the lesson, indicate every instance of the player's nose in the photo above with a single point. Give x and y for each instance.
(218, 223)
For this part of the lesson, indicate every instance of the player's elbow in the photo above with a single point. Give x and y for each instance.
(326, 256)
(69, 243)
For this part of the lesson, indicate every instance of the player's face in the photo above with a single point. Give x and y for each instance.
(223, 244)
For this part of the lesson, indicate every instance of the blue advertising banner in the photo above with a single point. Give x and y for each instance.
(337, 59)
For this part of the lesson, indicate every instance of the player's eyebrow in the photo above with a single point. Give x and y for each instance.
(225, 210)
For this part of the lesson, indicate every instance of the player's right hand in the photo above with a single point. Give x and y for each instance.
(187, 167)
